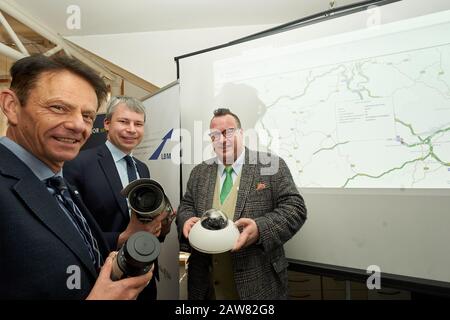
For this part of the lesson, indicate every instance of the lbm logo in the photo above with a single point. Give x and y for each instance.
(158, 150)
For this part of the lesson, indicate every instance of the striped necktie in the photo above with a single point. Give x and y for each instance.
(62, 194)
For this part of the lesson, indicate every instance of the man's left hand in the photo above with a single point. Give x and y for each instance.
(249, 233)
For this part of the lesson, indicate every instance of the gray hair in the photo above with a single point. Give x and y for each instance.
(132, 103)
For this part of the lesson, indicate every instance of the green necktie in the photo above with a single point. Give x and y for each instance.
(227, 184)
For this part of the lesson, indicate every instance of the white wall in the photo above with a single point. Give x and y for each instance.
(150, 55)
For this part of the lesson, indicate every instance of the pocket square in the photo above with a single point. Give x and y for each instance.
(260, 186)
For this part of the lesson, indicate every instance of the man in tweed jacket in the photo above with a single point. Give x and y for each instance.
(269, 211)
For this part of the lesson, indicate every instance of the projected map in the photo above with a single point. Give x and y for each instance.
(377, 121)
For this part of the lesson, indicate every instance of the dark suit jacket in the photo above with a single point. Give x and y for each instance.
(273, 201)
(39, 247)
(95, 176)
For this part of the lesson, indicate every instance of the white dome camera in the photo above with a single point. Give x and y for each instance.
(213, 233)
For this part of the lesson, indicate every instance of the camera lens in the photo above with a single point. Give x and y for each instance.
(136, 256)
(214, 220)
(145, 198)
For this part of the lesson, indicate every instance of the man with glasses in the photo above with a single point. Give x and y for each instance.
(265, 205)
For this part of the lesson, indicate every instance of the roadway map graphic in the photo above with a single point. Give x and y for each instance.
(376, 122)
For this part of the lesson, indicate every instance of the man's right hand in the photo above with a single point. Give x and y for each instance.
(125, 289)
(188, 225)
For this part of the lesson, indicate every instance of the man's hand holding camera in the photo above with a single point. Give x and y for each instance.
(135, 225)
(188, 226)
(249, 233)
(155, 226)
(125, 289)
(149, 209)
(167, 222)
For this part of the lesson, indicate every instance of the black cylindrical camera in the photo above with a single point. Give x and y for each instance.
(136, 256)
(147, 199)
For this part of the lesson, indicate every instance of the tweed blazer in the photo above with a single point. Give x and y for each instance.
(268, 195)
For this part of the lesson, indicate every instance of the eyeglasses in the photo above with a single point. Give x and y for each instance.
(227, 133)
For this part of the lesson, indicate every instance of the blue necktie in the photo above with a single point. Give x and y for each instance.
(63, 196)
(131, 169)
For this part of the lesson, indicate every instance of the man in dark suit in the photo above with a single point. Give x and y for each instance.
(100, 173)
(51, 247)
(262, 199)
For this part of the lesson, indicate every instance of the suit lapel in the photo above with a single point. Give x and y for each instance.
(45, 207)
(249, 172)
(209, 187)
(108, 166)
(141, 170)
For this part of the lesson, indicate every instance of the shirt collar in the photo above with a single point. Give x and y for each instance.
(40, 169)
(237, 165)
(116, 153)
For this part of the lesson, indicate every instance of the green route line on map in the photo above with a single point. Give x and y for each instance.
(384, 173)
(447, 164)
(423, 141)
(330, 148)
(411, 129)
